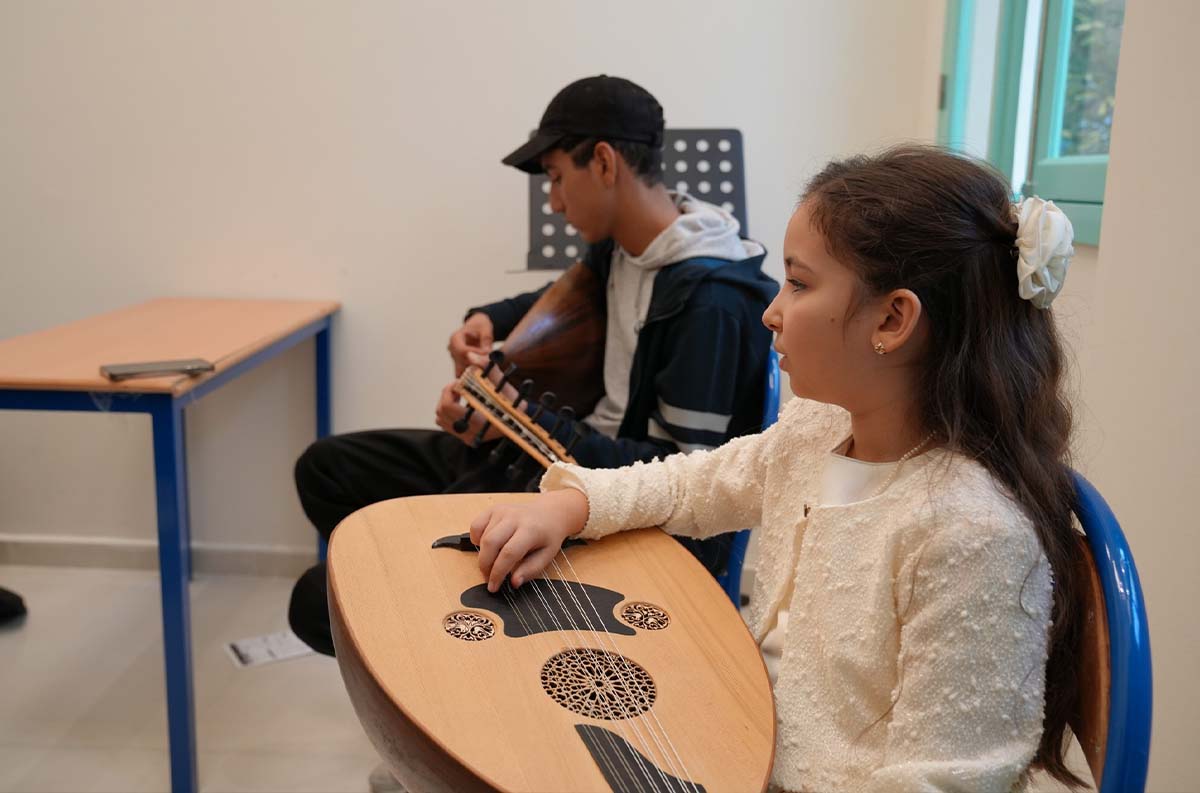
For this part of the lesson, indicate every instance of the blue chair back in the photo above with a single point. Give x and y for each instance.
(1118, 748)
(731, 579)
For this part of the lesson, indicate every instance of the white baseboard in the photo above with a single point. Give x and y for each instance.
(66, 551)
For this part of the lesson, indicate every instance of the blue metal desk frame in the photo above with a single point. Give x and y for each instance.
(171, 497)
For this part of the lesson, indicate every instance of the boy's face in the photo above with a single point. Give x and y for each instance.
(584, 195)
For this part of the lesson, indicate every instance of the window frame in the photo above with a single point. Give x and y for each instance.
(955, 78)
(1074, 182)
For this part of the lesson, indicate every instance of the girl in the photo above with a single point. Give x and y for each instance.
(915, 500)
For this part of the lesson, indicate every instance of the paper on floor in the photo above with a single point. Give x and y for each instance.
(265, 649)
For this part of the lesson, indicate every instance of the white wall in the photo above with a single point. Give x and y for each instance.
(351, 151)
(1141, 371)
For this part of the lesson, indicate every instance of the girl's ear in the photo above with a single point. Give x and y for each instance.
(900, 315)
(604, 163)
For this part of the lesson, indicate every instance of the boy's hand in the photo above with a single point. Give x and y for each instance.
(450, 409)
(522, 539)
(475, 336)
(508, 391)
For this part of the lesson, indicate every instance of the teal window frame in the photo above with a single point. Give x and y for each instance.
(1074, 182)
(956, 71)
(1006, 88)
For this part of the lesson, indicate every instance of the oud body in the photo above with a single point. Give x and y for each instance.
(559, 343)
(625, 668)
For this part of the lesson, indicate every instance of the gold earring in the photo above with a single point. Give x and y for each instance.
(879, 348)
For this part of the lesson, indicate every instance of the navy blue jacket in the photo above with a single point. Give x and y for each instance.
(699, 372)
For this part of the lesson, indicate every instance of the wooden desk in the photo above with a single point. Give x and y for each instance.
(59, 369)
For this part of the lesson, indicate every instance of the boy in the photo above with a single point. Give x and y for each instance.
(685, 349)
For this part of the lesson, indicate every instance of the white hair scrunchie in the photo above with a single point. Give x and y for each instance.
(1044, 251)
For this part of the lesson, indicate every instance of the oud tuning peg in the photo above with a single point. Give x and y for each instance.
(566, 414)
(514, 470)
(523, 391)
(547, 400)
(479, 435)
(495, 358)
(461, 424)
(505, 375)
(498, 453)
(578, 431)
(534, 484)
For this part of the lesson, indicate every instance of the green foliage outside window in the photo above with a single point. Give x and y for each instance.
(1091, 76)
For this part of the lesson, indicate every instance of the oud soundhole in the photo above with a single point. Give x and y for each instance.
(469, 626)
(645, 616)
(598, 684)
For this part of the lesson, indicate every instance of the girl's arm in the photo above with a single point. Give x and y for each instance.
(695, 495)
(698, 495)
(974, 609)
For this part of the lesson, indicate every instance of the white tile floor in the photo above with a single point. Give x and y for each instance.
(82, 696)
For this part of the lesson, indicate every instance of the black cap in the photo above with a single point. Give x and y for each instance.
(610, 108)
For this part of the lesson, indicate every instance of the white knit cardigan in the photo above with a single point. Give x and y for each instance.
(915, 654)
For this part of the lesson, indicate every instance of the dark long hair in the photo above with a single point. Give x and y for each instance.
(941, 225)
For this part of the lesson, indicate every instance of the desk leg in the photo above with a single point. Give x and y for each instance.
(174, 559)
(185, 504)
(323, 404)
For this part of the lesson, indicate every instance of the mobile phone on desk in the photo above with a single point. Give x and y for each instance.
(125, 371)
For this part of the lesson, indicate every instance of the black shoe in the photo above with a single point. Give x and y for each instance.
(12, 608)
(382, 781)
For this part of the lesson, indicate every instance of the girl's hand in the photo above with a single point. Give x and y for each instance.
(522, 539)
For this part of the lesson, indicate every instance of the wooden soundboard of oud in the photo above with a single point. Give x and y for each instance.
(454, 715)
(559, 343)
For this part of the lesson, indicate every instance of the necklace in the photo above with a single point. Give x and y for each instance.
(913, 452)
(908, 455)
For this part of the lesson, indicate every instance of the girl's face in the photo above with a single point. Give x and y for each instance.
(826, 352)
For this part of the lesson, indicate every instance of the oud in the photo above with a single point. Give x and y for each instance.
(624, 668)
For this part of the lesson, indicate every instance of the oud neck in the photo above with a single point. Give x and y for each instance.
(510, 420)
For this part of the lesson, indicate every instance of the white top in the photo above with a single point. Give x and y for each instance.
(846, 480)
(916, 647)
